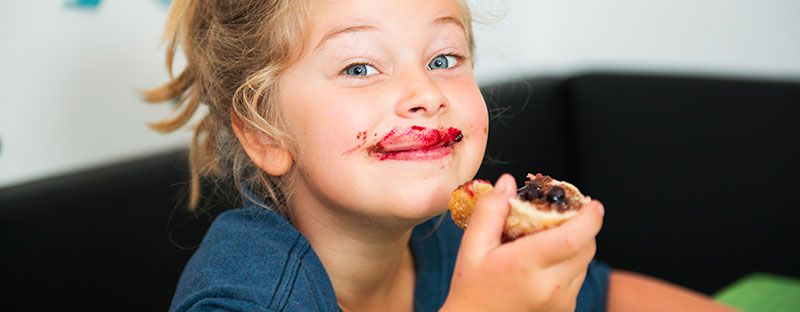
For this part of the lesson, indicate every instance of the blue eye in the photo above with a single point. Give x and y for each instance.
(360, 70)
(442, 61)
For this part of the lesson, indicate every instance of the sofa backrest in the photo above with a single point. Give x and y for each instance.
(100, 240)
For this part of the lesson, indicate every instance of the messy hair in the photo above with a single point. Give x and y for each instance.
(235, 52)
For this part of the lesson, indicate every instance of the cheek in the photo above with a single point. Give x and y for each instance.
(319, 125)
(470, 108)
(326, 131)
(471, 115)
(331, 135)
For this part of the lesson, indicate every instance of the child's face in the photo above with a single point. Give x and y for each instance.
(375, 105)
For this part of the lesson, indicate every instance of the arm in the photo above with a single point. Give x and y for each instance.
(634, 292)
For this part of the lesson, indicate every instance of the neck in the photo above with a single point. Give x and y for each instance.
(369, 263)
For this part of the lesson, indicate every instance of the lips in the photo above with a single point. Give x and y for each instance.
(416, 143)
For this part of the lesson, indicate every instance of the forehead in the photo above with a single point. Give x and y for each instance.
(326, 17)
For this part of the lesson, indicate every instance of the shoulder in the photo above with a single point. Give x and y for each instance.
(253, 260)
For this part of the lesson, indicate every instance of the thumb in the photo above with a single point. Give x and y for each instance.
(489, 218)
(571, 238)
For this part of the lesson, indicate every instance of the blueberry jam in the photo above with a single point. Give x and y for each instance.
(458, 137)
(530, 192)
(547, 197)
(557, 196)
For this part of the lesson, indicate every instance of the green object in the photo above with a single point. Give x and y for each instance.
(762, 292)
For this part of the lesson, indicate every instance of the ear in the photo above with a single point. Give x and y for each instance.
(271, 158)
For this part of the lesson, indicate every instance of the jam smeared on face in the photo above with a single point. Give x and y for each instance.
(415, 143)
(458, 137)
(362, 136)
(548, 198)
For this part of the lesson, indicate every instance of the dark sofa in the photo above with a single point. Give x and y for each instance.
(697, 175)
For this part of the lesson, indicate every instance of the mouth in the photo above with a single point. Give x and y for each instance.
(416, 143)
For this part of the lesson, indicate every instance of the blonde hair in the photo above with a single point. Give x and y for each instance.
(235, 52)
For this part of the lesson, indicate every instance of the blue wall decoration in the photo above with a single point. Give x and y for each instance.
(93, 4)
(84, 4)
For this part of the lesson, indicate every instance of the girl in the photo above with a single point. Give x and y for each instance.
(346, 124)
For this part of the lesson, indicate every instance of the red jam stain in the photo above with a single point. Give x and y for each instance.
(362, 136)
(468, 186)
(379, 146)
(419, 137)
(411, 143)
(469, 191)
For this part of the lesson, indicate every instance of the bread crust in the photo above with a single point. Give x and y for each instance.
(525, 217)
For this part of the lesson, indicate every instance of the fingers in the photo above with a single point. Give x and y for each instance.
(588, 221)
(489, 217)
(571, 238)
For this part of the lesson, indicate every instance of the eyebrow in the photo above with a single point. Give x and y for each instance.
(449, 20)
(335, 32)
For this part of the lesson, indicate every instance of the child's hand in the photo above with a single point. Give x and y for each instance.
(538, 272)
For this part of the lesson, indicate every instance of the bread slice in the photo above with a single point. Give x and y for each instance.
(541, 204)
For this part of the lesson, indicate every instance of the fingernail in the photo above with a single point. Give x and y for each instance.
(502, 184)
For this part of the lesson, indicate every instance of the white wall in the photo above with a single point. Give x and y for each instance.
(69, 77)
(68, 85)
(743, 38)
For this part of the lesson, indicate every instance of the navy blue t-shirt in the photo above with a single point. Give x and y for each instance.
(251, 259)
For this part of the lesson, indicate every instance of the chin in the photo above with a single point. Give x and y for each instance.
(416, 192)
(421, 202)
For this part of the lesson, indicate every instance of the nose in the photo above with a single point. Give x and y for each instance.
(421, 97)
